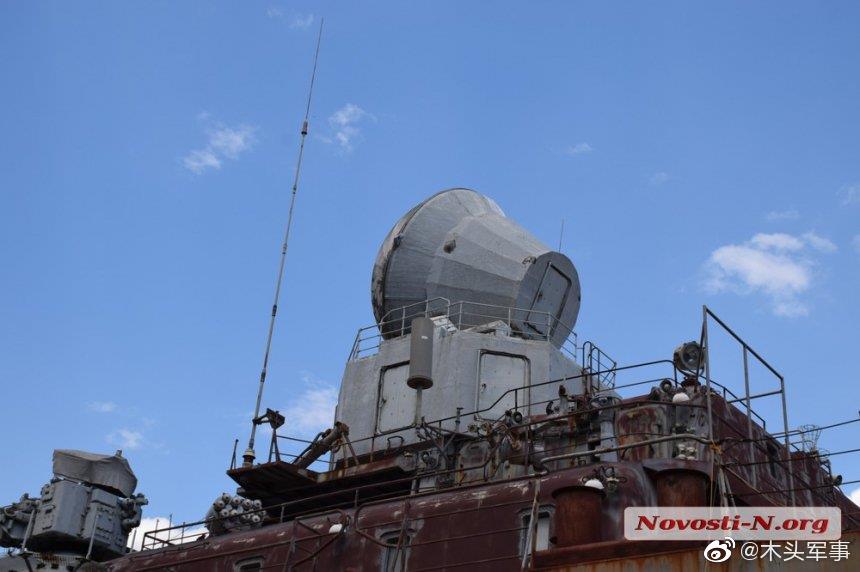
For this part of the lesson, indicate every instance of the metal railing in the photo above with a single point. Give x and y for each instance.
(172, 535)
(465, 316)
(524, 405)
(599, 366)
(335, 502)
(360, 495)
(596, 360)
(708, 317)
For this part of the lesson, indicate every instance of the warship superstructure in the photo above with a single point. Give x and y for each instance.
(475, 431)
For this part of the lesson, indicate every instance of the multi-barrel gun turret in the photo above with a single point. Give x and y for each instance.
(85, 512)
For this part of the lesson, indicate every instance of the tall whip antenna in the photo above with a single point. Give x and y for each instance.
(249, 456)
(560, 235)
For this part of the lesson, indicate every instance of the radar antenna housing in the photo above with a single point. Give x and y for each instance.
(458, 245)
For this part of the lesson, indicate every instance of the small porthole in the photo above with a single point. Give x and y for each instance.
(397, 549)
(249, 564)
(542, 531)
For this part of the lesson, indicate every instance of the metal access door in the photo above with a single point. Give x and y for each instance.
(396, 407)
(549, 300)
(499, 374)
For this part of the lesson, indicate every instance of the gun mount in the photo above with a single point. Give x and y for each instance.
(85, 513)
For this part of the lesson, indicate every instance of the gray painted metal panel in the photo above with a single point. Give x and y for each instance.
(111, 471)
(396, 406)
(458, 245)
(63, 506)
(551, 296)
(497, 374)
(455, 374)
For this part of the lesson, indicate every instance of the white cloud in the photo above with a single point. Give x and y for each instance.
(759, 270)
(343, 123)
(178, 536)
(297, 21)
(301, 21)
(855, 496)
(776, 241)
(578, 149)
(201, 159)
(659, 178)
(223, 142)
(855, 242)
(346, 115)
(790, 308)
(102, 406)
(779, 241)
(849, 194)
(126, 438)
(819, 242)
(312, 410)
(779, 266)
(231, 142)
(782, 215)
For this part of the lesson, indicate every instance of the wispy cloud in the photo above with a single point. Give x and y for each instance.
(199, 160)
(578, 149)
(819, 242)
(855, 242)
(301, 21)
(344, 126)
(849, 194)
(101, 406)
(297, 21)
(126, 438)
(230, 142)
(222, 142)
(779, 266)
(659, 178)
(774, 216)
(776, 241)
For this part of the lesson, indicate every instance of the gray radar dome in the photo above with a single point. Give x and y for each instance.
(458, 245)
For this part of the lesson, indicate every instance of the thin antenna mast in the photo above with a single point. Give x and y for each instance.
(560, 235)
(249, 456)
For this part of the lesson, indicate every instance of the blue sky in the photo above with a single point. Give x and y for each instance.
(697, 154)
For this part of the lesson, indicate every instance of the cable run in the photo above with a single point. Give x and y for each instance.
(808, 456)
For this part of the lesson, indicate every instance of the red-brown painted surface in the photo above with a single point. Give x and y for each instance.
(485, 525)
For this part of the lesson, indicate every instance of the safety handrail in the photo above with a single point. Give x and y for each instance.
(463, 315)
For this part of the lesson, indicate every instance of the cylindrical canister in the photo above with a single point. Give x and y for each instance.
(421, 354)
(577, 515)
